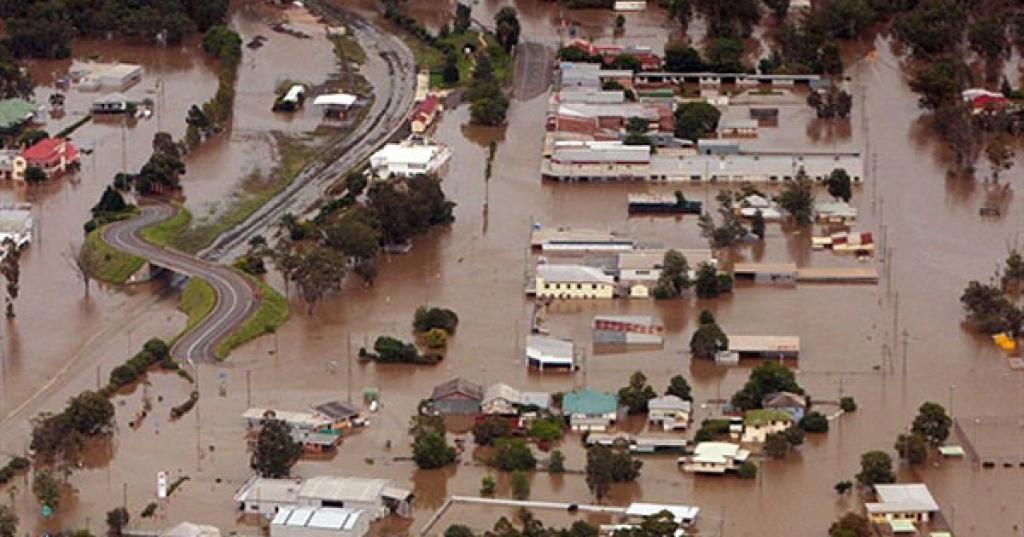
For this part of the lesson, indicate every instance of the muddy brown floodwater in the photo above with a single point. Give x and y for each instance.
(477, 267)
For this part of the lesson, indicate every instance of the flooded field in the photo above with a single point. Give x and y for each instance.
(478, 268)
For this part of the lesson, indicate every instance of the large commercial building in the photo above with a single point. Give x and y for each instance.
(613, 161)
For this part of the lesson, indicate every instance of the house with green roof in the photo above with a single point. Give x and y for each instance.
(14, 113)
(590, 410)
(759, 423)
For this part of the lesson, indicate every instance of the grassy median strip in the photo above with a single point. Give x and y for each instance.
(257, 190)
(111, 265)
(272, 312)
(197, 301)
(164, 232)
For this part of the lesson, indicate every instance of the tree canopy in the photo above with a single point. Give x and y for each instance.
(637, 393)
(696, 120)
(932, 423)
(767, 378)
(875, 469)
(276, 451)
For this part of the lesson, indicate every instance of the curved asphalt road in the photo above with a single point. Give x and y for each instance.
(236, 297)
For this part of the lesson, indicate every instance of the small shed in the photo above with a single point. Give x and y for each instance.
(458, 396)
(335, 105)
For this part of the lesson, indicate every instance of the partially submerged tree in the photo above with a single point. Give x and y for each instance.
(875, 469)
(708, 339)
(674, 277)
(932, 423)
(276, 451)
(797, 198)
(84, 261)
(637, 393)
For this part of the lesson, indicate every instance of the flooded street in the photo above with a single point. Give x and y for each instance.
(478, 268)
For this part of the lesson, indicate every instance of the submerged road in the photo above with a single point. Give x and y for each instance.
(391, 69)
(236, 296)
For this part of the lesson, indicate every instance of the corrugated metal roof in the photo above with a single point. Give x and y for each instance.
(573, 274)
(589, 402)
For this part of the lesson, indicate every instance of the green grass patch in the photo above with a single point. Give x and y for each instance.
(111, 265)
(272, 312)
(197, 301)
(347, 48)
(257, 190)
(432, 59)
(163, 233)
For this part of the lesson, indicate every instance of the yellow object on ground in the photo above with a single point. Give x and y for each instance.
(1005, 342)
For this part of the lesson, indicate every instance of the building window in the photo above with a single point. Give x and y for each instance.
(579, 286)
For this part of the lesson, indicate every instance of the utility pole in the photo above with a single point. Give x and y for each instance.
(348, 348)
(906, 343)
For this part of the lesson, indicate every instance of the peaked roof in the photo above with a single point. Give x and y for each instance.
(591, 402)
(460, 386)
(669, 402)
(426, 107)
(14, 112)
(337, 410)
(784, 400)
(503, 391)
(48, 147)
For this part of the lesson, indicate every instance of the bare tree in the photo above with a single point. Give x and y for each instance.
(84, 261)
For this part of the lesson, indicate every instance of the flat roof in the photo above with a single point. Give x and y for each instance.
(343, 488)
(679, 512)
(718, 452)
(270, 490)
(652, 258)
(334, 99)
(550, 349)
(754, 268)
(404, 154)
(745, 343)
(902, 525)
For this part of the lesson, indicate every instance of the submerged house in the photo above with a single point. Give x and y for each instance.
(793, 404)
(55, 156)
(458, 396)
(590, 410)
(669, 411)
(908, 503)
(714, 458)
(759, 423)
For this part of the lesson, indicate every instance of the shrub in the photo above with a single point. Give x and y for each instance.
(520, 485)
(549, 428)
(487, 486)
(436, 338)
(814, 422)
(556, 464)
(426, 319)
(490, 429)
(747, 470)
(513, 455)
(848, 404)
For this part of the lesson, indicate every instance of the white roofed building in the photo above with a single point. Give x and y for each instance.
(500, 399)
(572, 282)
(546, 352)
(669, 411)
(409, 158)
(684, 515)
(714, 458)
(912, 502)
(377, 497)
(319, 522)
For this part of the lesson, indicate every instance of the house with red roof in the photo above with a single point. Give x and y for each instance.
(424, 113)
(648, 60)
(55, 156)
